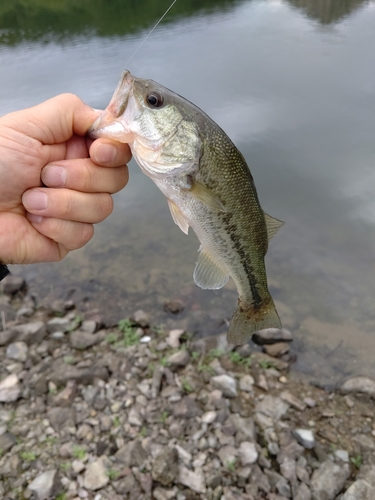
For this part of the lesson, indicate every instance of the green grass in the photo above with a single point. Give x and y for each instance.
(265, 363)
(231, 465)
(113, 474)
(61, 496)
(357, 461)
(186, 386)
(65, 466)
(28, 456)
(128, 328)
(79, 452)
(237, 359)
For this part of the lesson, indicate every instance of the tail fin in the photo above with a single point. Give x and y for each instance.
(245, 322)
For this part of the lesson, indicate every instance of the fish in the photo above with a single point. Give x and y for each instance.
(208, 186)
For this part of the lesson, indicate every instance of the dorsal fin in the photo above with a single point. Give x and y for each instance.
(273, 225)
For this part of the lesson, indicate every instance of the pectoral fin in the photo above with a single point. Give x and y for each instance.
(273, 225)
(178, 217)
(207, 273)
(203, 194)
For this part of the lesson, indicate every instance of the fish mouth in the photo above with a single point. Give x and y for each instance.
(109, 123)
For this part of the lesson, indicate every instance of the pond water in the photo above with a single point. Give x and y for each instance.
(293, 84)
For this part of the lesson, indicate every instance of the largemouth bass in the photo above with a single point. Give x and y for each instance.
(208, 186)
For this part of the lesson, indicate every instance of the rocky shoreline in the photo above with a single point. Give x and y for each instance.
(139, 412)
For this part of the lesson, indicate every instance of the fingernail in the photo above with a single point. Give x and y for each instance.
(105, 153)
(35, 200)
(54, 176)
(36, 219)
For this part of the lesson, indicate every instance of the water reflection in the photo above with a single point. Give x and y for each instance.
(299, 103)
(328, 11)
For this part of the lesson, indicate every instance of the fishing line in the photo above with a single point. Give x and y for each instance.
(153, 29)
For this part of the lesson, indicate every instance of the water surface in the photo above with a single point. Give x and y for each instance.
(293, 84)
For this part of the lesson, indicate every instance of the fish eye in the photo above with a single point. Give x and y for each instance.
(154, 99)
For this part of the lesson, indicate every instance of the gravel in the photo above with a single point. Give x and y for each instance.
(94, 413)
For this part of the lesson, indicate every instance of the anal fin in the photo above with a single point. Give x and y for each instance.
(207, 274)
(178, 217)
(273, 225)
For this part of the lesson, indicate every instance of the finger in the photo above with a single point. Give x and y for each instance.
(76, 147)
(84, 175)
(110, 153)
(68, 204)
(68, 234)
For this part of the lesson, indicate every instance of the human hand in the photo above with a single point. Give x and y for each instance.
(55, 183)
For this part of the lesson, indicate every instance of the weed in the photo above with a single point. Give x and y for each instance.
(79, 452)
(28, 456)
(164, 417)
(206, 368)
(116, 421)
(69, 360)
(1, 452)
(128, 328)
(65, 466)
(159, 329)
(111, 338)
(231, 464)
(113, 474)
(195, 355)
(51, 440)
(357, 461)
(186, 386)
(143, 432)
(164, 361)
(266, 363)
(61, 496)
(214, 353)
(237, 359)
(75, 323)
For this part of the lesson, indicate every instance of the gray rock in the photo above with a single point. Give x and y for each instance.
(288, 469)
(163, 494)
(10, 389)
(12, 467)
(30, 333)
(293, 451)
(359, 384)
(7, 441)
(283, 488)
(192, 479)
(8, 312)
(132, 454)
(59, 325)
(365, 441)
(342, 455)
(47, 485)
(61, 418)
(178, 360)
(17, 351)
(246, 383)
(127, 486)
(89, 326)
(303, 493)
(165, 466)
(62, 373)
(328, 480)
(141, 318)
(226, 384)
(187, 408)
(13, 284)
(293, 401)
(173, 339)
(247, 453)
(272, 336)
(367, 472)
(305, 437)
(228, 455)
(277, 349)
(96, 476)
(359, 490)
(273, 407)
(80, 339)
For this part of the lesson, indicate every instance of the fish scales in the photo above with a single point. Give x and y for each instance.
(208, 186)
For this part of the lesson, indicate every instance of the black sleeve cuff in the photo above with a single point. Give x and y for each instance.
(4, 271)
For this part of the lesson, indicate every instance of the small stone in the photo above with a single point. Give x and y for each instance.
(192, 479)
(349, 402)
(141, 318)
(134, 417)
(310, 402)
(173, 339)
(283, 487)
(61, 418)
(13, 284)
(178, 360)
(293, 401)
(95, 476)
(10, 389)
(165, 466)
(273, 407)
(209, 417)
(246, 383)
(163, 494)
(132, 454)
(359, 384)
(30, 333)
(78, 466)
(89, 326)
(228, 455)
(80, 339)
(46, 485)
(173, 306)
(365, 442)
(342, 455)
(359, 490)
(328, 480)
(247, 453)
(7, 441)
(58, 325)
(272, 336)
(226, 384)
(303, 493)
(276, 350)
(17, 351)
(187, 408)
(305, 437)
